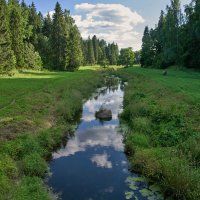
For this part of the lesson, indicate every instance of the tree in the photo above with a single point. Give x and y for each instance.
(95, 48)
(74, 51)
(127, 57)
(7, 58)
(102, 50)
(191, 35)
(47, 26)
(59, 39)
(147, 49)
(17, 31)
(90, 53)
(32, 58)
(137, 57)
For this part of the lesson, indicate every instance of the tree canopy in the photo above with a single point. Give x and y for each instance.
(33, 41)
(176, 38)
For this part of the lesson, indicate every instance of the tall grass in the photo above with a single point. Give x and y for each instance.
(163, 115)
(37, 110)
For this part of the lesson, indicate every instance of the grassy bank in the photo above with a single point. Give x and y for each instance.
(162, 114)
(37, 109)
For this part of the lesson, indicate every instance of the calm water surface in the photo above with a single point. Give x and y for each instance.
(92, 165)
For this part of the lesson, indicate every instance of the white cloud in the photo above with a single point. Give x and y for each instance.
(106, 136)
(51, 13)
(101, 160)
(112, 22)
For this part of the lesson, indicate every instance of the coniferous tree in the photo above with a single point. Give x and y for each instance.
(146, 54)
(192, 35)
(7, 58)
(59, 39)
(102, 50)
(47, 26)
(96, 48)
(74, 51)
(90, 53)
(17, 31)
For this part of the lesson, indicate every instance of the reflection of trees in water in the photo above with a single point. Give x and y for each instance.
(112, 83)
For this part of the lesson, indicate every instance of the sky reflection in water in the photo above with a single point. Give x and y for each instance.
(93, 166)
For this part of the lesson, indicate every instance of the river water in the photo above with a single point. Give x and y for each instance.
(92, 165)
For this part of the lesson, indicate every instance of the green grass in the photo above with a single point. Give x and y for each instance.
(162, 114)
(37, 109)
(185, 81)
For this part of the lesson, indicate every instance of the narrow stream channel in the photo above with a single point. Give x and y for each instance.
(92, 165)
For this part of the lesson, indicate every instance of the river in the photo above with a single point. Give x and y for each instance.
(92, 165)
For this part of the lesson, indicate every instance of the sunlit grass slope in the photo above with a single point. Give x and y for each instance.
(182, 81)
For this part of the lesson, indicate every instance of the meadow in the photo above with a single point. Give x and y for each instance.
(161, 124)
(37, 110)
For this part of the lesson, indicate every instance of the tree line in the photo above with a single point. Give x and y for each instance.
(33, 41)
(176, 38)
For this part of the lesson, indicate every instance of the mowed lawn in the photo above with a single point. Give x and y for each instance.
(181, 81)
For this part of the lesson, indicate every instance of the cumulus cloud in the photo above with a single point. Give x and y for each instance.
(106, 136)
(101, 160)
(112, 22)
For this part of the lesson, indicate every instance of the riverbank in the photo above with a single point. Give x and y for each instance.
(162, 114)
(37, 109)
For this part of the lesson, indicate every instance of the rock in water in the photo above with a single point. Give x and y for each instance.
(104, 114)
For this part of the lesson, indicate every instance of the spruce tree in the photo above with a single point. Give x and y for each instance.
(17, 31)
(74, 51)
(146, 54)
(96, 48)
(90, 56)
(47, 26)
(59, 39)
(7, 58)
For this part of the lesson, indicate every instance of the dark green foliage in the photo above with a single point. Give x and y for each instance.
(126, 57)
(90, 52)
(137, 57)
(32, 58)
(16, 29)
(191, 35)
(104, 63)
(74, 52)
(97, 51)
(112, 53)
(95, 42)
(30, 40)
(59, 39)
(175, 40)
(7, 59)
(147, 49)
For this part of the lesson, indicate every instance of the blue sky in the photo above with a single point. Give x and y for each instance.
(121, 21)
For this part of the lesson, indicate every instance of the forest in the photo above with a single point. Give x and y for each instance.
(30, 40)
(54, 85)
(176, 38)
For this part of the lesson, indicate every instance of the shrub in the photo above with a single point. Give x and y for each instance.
(5, 187)
(141, 124)
(21, 146)
(31, 188)
(34, 165)
(8, 166)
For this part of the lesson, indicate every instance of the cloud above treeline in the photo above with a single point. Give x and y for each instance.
(112, 22)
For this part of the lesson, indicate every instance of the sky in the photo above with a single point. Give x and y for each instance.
(119, 21)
